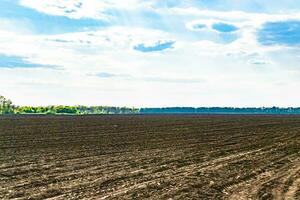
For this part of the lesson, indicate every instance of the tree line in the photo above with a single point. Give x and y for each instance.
(76, 110)
(6, 107)
(220, 110)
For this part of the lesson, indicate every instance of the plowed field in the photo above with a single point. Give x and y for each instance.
(150, 156)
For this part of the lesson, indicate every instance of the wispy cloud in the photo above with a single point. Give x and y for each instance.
(112, 75)
(72, 9)
(198, 26)
(77, 9)
(7, 61)
(174, 80)
(28, 20)
(107, 75)
(158, 46)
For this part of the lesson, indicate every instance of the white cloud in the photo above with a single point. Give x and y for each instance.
(208, 24)
(71, 8)
(77, 9)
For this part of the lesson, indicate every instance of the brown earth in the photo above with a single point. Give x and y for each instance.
(150, 157)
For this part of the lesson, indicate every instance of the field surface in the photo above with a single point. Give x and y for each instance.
(150, 156)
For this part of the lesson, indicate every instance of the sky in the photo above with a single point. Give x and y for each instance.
(150, 53)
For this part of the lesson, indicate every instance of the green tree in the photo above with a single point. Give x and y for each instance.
(6, 106)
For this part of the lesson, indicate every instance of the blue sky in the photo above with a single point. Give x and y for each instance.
(150, 52)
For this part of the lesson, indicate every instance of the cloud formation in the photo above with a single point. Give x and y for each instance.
(158, 46)
(174, 80)
(77, 9)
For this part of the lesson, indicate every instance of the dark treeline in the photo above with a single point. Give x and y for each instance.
(224, 110)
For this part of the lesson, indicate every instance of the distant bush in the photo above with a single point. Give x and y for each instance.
(6, 106)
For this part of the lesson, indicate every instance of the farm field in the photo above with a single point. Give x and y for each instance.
(150, 156)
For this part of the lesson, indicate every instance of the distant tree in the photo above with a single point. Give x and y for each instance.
(66, 110)
(6, 106)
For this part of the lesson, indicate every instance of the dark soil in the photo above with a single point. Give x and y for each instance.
(150, 156)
